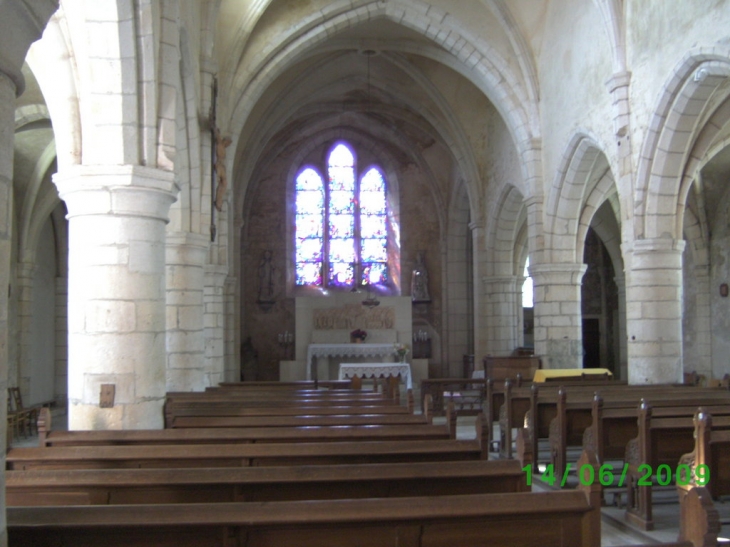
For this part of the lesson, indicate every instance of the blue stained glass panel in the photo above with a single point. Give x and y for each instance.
(341, 156)
(342, 250)
(309, 179)
(373, 226)
(374, 250)
(309, 273)
(372, 203)
(342, 179)
(309, 226)
(310, 202)
(309, 250)
(341, 273)
(372, 181)
(341, 226)
(341, 203)
(375, 273)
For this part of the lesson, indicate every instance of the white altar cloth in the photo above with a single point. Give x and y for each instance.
(344, 350)
(370, 370)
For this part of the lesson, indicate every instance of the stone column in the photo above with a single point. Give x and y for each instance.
(24, 278)
(214, 318)
(116, 293)
(654, 311)
(480, 304)
(186, 253)
(500, 295)
(61, 382)
(7, 125)
(623, 361)
(558, 328)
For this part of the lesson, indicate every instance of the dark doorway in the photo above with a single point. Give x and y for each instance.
(591, 343)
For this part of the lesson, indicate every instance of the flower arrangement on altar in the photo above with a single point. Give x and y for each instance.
(401, 350)
(358, 334)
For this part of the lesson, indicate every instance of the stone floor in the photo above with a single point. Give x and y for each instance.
(615, 531)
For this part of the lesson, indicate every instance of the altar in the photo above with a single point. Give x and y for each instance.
(315, 351)
(324, 326)
(377, 370)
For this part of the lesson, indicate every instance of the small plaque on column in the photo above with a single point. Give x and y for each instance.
(106, 398)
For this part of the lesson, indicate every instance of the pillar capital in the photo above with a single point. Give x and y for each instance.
(557, 274)
(119, 190)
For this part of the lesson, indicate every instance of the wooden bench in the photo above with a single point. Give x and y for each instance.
(660, 441)
(562, 518)
(536, 407)
(244, 455)
(712, 449)
(175, 411)
(297, 385)
(146, 486)
(615, 421)
(501, 368)
(298, 433)
(515, 519)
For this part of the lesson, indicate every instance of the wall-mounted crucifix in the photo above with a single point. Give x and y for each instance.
(219, 178)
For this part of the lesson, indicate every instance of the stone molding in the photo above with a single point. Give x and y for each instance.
(123, 190)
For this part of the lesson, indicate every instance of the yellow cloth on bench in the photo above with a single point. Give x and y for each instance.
(542, 374)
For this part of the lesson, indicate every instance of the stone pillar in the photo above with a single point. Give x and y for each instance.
(7, 125)
(558, 326)
(479, 304)
(61, 381)
(116, 293)
(500, 295)
(214, 320)
(703, 322)
(654, 311)
(232, 372)
(186, 253)
(623, 361)
(24, 278)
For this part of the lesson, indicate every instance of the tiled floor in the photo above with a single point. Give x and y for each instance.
(615, 529)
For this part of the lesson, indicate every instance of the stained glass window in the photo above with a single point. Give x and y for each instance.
(309, 227)
(341, 226)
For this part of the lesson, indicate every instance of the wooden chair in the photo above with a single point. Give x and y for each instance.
(24, 418)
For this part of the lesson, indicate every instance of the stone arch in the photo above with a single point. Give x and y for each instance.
(666, 151)
(185, 213)
(58, 78)
(502, 231)
(583, 169)
(29, 212)
(492, 74)
(450, 134)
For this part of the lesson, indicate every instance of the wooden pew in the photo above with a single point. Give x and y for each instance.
(660, 441)
(245, 455)
(616, 425)
(543, 401)
(522, 518)
(533, 406)
(712, 449)
(516, 519)
(562, 518)
(225, 485)
(501, 368)
(287, 417)
(255, 434)
(297, 385)
(174, 412)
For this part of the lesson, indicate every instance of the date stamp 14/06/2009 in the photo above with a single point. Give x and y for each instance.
(606, 475)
